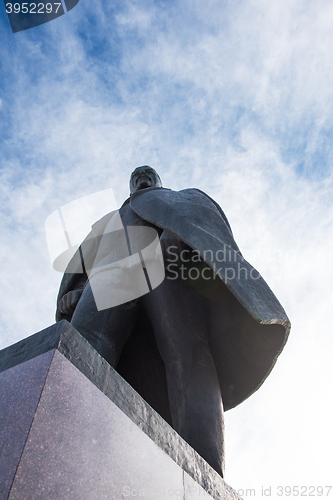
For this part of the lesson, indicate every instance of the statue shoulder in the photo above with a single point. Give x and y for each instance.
(144, 203)
(204, 195)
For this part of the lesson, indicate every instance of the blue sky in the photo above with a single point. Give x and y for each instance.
(232, 97)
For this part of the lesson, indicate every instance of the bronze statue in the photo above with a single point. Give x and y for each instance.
(203, 340)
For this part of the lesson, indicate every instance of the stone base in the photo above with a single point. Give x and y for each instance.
(72, 428)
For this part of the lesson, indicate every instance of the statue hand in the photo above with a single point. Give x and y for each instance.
(69, 302)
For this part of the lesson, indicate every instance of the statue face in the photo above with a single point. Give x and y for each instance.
(144, 177)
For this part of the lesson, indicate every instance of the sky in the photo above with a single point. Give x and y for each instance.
(231, 97)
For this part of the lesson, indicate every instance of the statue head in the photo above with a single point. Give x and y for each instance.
(144, 177)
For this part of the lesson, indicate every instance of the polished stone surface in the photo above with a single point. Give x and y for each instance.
(82, 446)
(20, 390)
(75, 429)
(61, 336)
(218, 490)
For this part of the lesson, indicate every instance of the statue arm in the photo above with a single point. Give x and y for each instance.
(68, 300)
(75, 278)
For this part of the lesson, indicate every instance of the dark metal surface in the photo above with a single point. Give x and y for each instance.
(187, 343)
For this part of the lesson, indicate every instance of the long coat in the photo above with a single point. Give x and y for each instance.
(249, 327)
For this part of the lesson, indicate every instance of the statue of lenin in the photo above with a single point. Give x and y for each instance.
(203, 340)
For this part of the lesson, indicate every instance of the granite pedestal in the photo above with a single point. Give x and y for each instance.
(72, 428)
